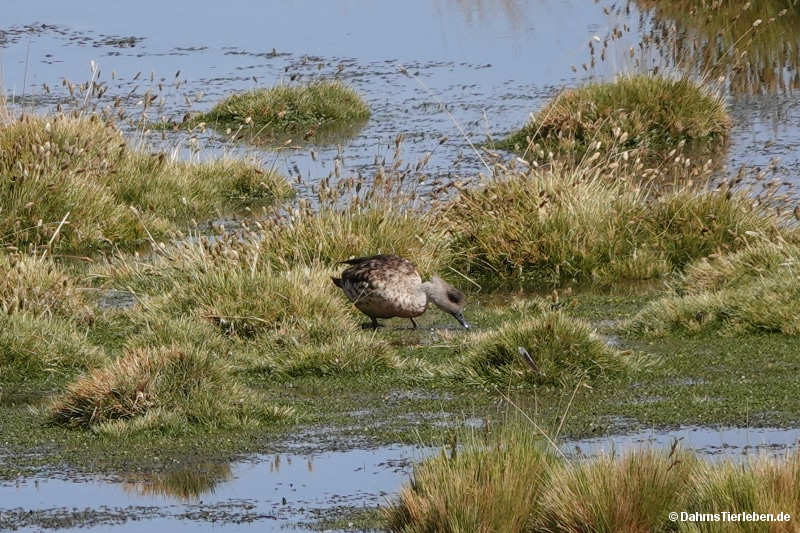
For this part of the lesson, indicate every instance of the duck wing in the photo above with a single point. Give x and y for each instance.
(383, 286)
(362, 268)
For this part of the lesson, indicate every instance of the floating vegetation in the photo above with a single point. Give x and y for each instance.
(638, 116)
(316, 111)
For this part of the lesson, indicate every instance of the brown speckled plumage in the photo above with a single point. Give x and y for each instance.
(386, 286)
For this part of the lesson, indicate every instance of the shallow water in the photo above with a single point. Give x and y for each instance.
(712, 443)
(263, 493)
(280, 491)
(476, 69)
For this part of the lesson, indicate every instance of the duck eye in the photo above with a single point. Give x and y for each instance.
(455, 296)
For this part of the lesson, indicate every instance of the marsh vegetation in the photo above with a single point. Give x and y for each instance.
(634, 117)
(316, 111)
(753, 46)
(513, 481)
(73, 184)
(617, 281)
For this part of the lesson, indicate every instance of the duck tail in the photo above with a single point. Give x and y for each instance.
(337, 282)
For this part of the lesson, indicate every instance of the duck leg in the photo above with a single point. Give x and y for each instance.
(414, 324)
(371, 325)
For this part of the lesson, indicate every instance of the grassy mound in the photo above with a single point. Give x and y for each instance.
(753, 290)
(167, 388)
(280, 322)
(245, 303)
(37, 286)
(512, 483)
(644, 113)
(334, 234)
(550, 229)
(76, 179)
(763, 485)
(323, 107)
(562, 349)
(492, 488)
(634, 492)
(35, 349)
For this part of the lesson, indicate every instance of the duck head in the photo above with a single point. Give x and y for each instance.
(446, 297)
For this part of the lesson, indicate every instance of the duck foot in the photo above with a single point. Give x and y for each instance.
(371, 325)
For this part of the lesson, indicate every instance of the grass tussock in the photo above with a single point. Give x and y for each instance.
(244, 297)
(548, 229)
(171, 387)
(482, 488)
(753, 290)
(74, 184)
(36, 285)
(282, 323)
(633, 492)
(321, 107)
(562, 350)
(649, 115)
(511, 482)
(37, 348)
(762, 485)
(332, 234)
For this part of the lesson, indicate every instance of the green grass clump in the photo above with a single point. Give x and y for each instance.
(758, 259)
(322, 107)
(649, 114)
(279, 322)
(35, 349)
(168, 388)
(245, 297)
(349, 353)
(489, 486)
(335, 234)
(548, 229)
(753, 290)
(563, 350)
(38, 286)
(76, 182)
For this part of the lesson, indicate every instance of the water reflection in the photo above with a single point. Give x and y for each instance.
(754, 45)
(479, 12)
(186, 484)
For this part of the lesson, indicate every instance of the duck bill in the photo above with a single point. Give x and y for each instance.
(460, 318)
